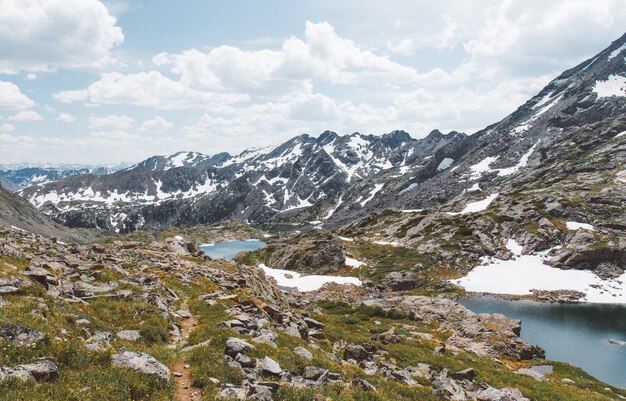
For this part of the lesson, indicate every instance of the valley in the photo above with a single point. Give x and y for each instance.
(478, 266)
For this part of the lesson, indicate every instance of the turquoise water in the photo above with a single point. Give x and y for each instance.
(228, 249)
(573, 333)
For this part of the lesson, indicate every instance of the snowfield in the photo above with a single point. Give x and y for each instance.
(291, 279)
(353, 263)
(477, 206)
(615, 85)
(572, 225)
(526, 272)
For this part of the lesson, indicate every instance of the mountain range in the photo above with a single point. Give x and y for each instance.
(333, 180)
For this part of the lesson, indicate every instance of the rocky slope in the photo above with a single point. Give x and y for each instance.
(147, 317)
(17, 214)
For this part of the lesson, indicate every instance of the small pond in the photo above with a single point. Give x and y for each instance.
(228, 249)
(573, 333)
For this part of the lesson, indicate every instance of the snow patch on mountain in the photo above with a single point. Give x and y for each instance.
(445, 163)
(522, 163)
(292, 279)
(617, 51)
(482, 167)
(375, 190)
(527, 272)
(615, 85)
(477, 206)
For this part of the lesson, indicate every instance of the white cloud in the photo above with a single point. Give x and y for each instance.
(151, 89)
(71, 96)
(321, 56)
(41, 35)
(11, 98)
(110, 122)
(520, 37)
(157, 124)
(6, 128)
(26, 115)
(405, 46)
(30, 77)
(66, 118)
(227, 74)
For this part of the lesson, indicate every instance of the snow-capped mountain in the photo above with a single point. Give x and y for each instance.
(258, 184)
(338, 179)
(14, 179)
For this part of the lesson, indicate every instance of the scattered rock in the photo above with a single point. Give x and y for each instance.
(356, 352)
(465, 374)
(401, 281)
(313, 372)
(270, 367)
(236, 346)
(129, 335)
(44, 370)
(232, 393)
(505, 394)
(534, 374)
(303, 353)
(14, 333)
(141, 362)
(363, 385)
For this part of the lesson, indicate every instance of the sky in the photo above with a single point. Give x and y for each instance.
(103, 82)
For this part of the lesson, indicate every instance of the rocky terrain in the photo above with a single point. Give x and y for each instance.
(129, 307)
(17, 214)
(149, 317)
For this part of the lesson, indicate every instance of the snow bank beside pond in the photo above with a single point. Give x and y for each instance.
(520, 275)
(291, 279)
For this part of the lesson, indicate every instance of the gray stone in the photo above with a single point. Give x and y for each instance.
(236, 346)
(42, 371)
(141, 362)
(401, 281)
(19, 334)
(465, 374)
(363, 385)
(313, 372)
(245, 361)
(505, 394)
(313, 324)
(356, 352)
(303, 353)
(232, 393)
(129, 335)
(270, 367)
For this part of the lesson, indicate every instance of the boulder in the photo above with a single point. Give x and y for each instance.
(313, 324)
(401, 281)
(232, 393)
(313, 372)
(356, 352)
(270, 367)
(303, 353)
(129, 335)
(465, 374)
(44, 370)
(236, 346)
(14, 333)
(363, 385)
(505, 394)
(141, 362)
